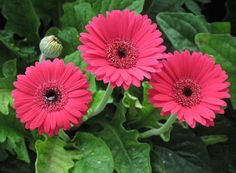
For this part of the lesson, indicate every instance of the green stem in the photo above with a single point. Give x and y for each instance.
(42, 57)
(63, 135)
(163, 129)
(103, 102)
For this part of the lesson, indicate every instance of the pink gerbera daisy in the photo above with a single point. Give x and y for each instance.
(191, 86)
(51, 96)
(122, 48)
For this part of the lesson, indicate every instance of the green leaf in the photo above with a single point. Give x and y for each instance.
(142, 113)
(53, 157)
(108, 5)
(5, 101)
(226, 150)
(129, 155)
(77, 14)
(180, 28)
(204, 1)
(220, 28)
(133, 105)
(193, 7)
(214, 139)
(131, 101)
(75, 58)
(9, 68)
(83, 13)
(6, 48)
(69, 38)
(19, 148)
(9, 49)
(148, 107)
(95, 155)
(183, 154)
(22, 19)
(9, 72)
(49, 10)
(12, 136)
(223, 48)
(97, 97)
(158, 6)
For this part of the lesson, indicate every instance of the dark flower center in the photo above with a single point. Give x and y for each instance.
(51, 95)
(121, 53)
(187, 91)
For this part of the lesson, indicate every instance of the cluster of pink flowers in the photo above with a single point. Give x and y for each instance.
(121, 48)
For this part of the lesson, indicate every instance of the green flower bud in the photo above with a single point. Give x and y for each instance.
(50, 46)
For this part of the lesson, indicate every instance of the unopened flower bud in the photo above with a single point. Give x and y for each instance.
(50, 46)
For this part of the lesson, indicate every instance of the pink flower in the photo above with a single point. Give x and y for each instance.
(122, 48)
(191, 86)
(51, 96)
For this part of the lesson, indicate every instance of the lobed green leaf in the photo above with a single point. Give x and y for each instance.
(96, 156)
(53, 157)
(129, 154)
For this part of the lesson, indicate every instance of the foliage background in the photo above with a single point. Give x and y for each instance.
(109, 142)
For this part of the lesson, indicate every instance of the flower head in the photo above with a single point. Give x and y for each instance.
(51, 96)
(122, 48)
(191, 86)
(50, 46)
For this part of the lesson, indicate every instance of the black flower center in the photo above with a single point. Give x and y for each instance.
(51, 95)
(187, 91)
(121, 53)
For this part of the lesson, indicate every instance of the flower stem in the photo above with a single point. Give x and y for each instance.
(163, 129)
(103, 102)
(42, 57)
(64, 136)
